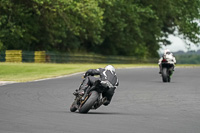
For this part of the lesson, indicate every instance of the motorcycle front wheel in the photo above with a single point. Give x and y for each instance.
(73, 107)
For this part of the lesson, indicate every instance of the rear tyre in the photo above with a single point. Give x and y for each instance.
(164, 75)
(89, 103)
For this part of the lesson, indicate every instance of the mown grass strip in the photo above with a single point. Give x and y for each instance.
(22, 72)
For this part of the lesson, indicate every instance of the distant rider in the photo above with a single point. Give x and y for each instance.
(107, 73)
(169, 56)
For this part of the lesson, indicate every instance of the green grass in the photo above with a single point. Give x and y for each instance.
(22, 72)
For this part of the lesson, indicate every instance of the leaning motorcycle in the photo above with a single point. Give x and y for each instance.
(167, 69)
(92, 98)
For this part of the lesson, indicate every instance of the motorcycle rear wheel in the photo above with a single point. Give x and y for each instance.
(89, 103)
(165, 75)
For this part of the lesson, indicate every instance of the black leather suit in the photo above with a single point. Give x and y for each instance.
(103, 76)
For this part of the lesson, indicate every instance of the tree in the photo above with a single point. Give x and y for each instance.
(112, 27)
(180, 16)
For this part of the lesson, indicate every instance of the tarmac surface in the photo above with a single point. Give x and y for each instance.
(142, 104)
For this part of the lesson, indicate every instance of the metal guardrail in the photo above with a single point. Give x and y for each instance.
(52, 57)
(2, 56)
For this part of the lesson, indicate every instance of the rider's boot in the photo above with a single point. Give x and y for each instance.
(83, 87)
(160, 67)
(102, 101)
(106, 103)
(173, 69)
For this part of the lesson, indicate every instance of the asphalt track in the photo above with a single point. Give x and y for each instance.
(142, 104)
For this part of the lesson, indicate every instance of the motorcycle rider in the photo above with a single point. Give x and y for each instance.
(106, 74)
(169, 55)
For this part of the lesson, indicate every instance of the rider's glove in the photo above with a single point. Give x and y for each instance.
(86, 74)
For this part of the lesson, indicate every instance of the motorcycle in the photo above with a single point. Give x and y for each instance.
(167, 69)
(92, 98)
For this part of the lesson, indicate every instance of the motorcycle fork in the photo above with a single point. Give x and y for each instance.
(84, 100)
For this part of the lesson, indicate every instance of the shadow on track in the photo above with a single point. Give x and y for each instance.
(102, 113)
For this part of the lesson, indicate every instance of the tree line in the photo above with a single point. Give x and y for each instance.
(109, 27)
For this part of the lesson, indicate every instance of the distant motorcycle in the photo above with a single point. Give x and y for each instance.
(167, 69)
(92, 98)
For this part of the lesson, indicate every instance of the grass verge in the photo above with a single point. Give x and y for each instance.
(22, 72)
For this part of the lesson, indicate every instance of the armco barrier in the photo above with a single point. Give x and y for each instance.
(13, 56)
(28, 56)
(2, 56)
(52, 57)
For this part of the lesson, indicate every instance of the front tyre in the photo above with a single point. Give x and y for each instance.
(73, 107)
(90, 102)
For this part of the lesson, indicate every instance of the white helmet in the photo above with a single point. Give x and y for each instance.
(166, 51)
(110, 67)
